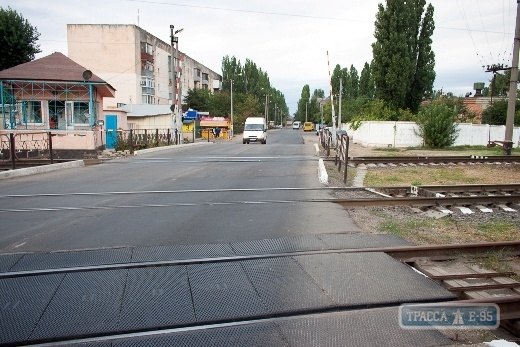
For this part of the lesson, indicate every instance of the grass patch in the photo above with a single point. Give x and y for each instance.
(466, 150)
(497, 261)
(387, 149)
(499, 230)
(420, 230)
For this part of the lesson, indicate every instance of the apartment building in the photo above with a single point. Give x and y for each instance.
(136, 63)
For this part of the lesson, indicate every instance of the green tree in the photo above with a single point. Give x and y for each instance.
(496, 113)
(437, 126)
(17, 38)
(353, 91)
(198, 99)
(403, 65)
(303, 103)
(220, 104)
(366, 83)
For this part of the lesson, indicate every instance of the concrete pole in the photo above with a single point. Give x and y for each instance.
(232, 108)
(508, 141)
(174, 81)
(306, 110)
(340, 96)
(267, 110)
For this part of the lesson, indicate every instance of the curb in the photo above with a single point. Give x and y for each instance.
(360, 176)
(40, 169)
(156, 149)
(322, 172)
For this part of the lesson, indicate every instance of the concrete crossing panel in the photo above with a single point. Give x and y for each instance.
(156, 297)
(85, 303)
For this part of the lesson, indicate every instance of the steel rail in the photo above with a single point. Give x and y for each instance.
(421, 201)
(433, 159)
(398, 252)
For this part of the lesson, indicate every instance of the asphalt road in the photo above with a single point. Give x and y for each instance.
(210, 193)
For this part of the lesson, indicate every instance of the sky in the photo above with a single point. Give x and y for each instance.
(294, 41)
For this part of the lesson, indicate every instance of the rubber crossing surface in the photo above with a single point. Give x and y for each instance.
(334, 298)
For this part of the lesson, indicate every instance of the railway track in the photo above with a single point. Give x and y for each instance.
(431, 160)
(505, 197)
(427, 259)
(458, 269)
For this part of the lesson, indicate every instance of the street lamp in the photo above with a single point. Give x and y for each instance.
(176, 109)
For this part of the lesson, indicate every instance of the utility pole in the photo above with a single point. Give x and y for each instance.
(173, 107)
(340, 96)
(176, 103)
(306, 111)
(332, 103)
(508, 140)
(232, 134)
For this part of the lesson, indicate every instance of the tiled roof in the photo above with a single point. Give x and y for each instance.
(55, 67)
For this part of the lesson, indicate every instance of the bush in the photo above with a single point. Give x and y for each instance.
(437, 126)
(496, 113)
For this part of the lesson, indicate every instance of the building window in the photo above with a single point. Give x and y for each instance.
(147, 99)
(32, 112)
(148, 48)
(81, 113)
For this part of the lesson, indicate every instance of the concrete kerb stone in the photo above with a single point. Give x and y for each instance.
(41, 169)
(156, 149)
(322, 172)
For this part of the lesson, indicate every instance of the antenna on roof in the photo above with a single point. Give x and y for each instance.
(137, 17)
(87, 74)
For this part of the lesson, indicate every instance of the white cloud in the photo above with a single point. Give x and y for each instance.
(289, 39)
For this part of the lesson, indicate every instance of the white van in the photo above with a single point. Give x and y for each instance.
(296, 124)
(255, 130)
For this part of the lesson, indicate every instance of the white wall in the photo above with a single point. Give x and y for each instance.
(403, 134)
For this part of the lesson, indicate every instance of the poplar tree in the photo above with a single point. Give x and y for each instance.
(366, 83)
(403, 65)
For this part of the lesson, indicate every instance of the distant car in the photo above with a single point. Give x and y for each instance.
(308, 126)
(296, 125)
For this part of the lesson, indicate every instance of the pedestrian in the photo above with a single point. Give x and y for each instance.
(217, 132)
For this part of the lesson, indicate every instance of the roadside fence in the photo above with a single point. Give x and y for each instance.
(136, 139)
(21, 148)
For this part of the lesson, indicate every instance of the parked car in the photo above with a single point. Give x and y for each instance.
(308, 126)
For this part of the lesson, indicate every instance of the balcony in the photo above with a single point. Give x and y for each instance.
(196, 78)
(146, 73)
(147, 57)
(148, 91)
